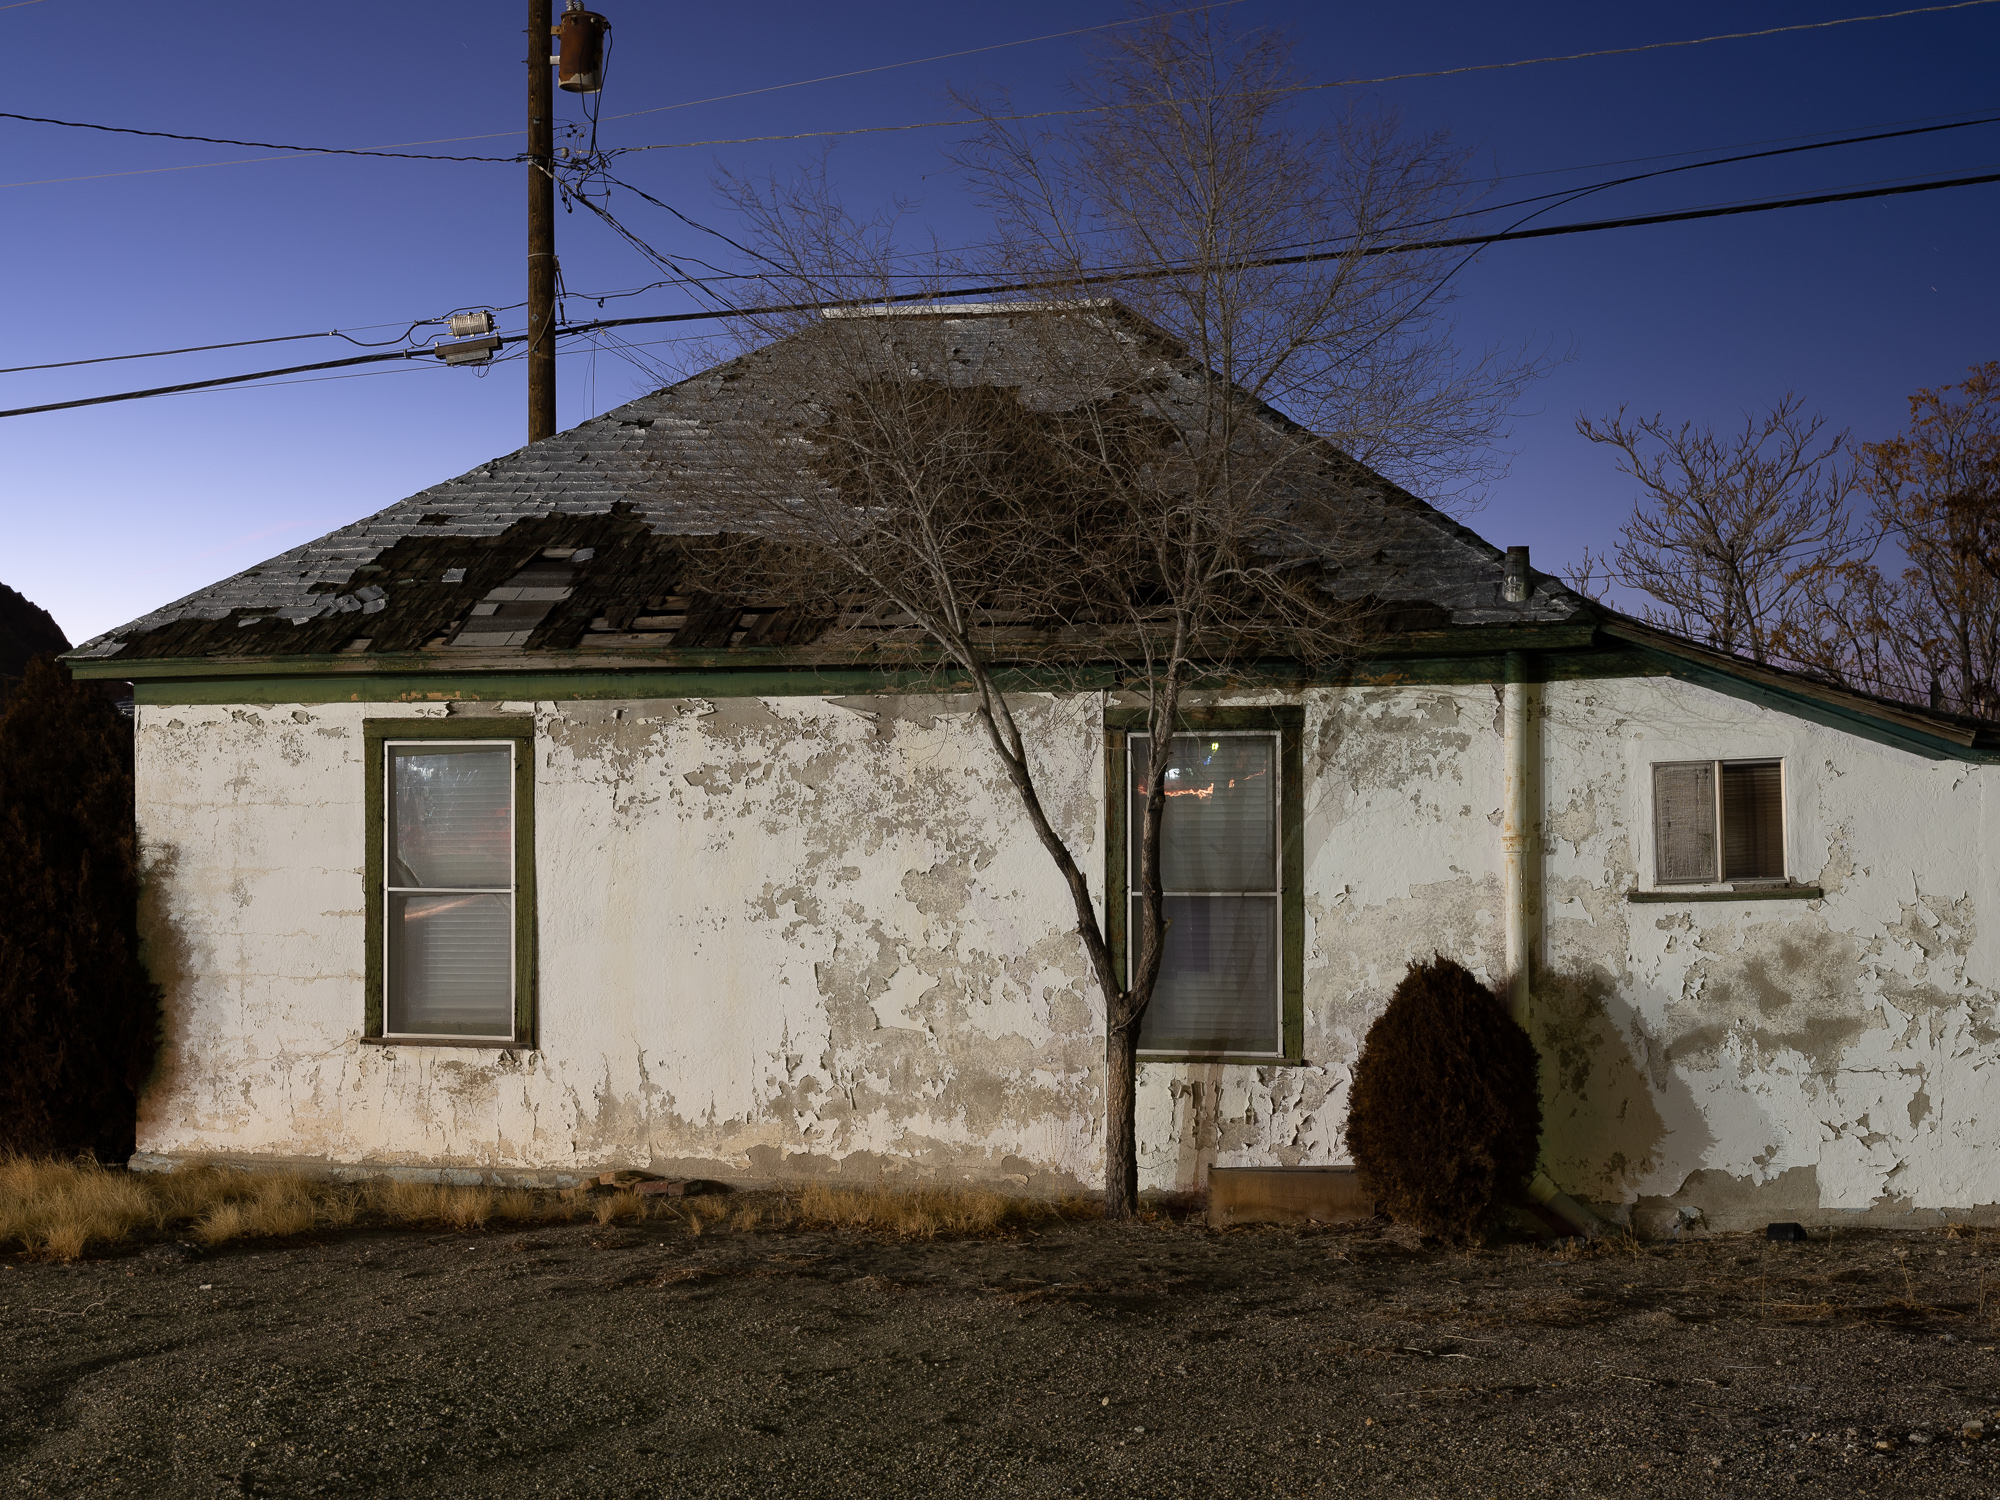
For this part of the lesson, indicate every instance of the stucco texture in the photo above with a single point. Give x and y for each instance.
(796, 936)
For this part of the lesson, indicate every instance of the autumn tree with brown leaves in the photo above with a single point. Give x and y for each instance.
(1929, 630)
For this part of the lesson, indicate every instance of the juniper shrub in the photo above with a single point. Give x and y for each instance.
(79, 1017)
(1445, 1117)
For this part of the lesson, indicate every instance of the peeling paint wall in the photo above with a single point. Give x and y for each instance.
(795, 936)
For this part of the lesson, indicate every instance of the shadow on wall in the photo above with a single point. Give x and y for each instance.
(1607, 1110)
(168, 959)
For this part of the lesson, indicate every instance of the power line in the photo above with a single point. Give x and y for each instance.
(219, 140)
(283, 338)
(1572, 194)
(201, 385)
(1343, 83)
(1777, 140)
(1727, 36)
(495, 135)
(946, 124)
(105, 359)
(1157, 274)
(1052, 36)
(1560, 196)
(1264, 262)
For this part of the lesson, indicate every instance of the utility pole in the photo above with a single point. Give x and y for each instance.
(541, 227)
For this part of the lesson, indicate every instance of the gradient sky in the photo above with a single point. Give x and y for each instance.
(111, 247)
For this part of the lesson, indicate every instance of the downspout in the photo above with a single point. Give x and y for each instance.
(1520, 853)
(1517, 829)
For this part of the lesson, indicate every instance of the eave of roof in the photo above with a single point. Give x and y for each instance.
(1922, 731)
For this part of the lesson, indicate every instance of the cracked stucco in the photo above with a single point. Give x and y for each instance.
(794, 936)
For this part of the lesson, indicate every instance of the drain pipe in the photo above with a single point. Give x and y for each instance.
(1520, 853)
(1517, 830)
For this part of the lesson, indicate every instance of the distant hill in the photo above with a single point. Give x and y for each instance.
(26, 630)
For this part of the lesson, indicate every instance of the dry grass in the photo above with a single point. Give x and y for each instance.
(60, 1210)
(923, 1213)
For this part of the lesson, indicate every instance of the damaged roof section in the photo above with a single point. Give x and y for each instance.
(585, 542)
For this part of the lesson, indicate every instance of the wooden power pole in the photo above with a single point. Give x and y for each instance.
(541, 227)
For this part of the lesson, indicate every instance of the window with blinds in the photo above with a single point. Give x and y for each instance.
(449, 889)
(1717, 820)
(1220, 985)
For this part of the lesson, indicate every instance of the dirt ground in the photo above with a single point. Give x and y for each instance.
(1085, 1359)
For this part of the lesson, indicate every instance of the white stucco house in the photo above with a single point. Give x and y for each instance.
(490, 834)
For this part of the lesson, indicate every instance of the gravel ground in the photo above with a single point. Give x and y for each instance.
(1158, 1359)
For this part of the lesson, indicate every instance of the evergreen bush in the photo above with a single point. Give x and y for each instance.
(1444, 1121)
(79, 1017)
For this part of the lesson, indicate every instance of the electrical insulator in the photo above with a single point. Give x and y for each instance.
(580, 64)
(465, 325)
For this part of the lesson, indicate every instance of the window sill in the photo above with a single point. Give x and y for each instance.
(1749, 893)
(476, 1043)
(1233, 1059)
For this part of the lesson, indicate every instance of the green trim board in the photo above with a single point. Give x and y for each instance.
(1459, 641)
(376, 734)
(1288, 722)
(438, 686)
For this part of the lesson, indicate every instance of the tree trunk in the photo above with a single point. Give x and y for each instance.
(1121, 1133)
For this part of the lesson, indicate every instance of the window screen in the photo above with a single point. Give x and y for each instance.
(1684, 822)
(450, 893)
(1753, 820)
(1219, 985)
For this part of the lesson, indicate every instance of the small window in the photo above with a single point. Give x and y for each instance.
(1718, 820)
(449, 910)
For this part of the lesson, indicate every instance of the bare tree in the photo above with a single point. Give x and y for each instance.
(1728, 524)
(1104, 492)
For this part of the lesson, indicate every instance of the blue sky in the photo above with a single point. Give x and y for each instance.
(117, 244)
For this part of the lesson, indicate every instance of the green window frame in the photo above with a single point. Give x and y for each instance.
(378, 735)
(1288, 724)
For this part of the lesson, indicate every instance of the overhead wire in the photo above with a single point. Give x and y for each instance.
(681, 278)
(1025, 41)
(283, 338)
(941, 298)
(1551, 200)
(295, 152)
(1341, 83)
(219, 140)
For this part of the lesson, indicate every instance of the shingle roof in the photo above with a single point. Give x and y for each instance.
(583, 541)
